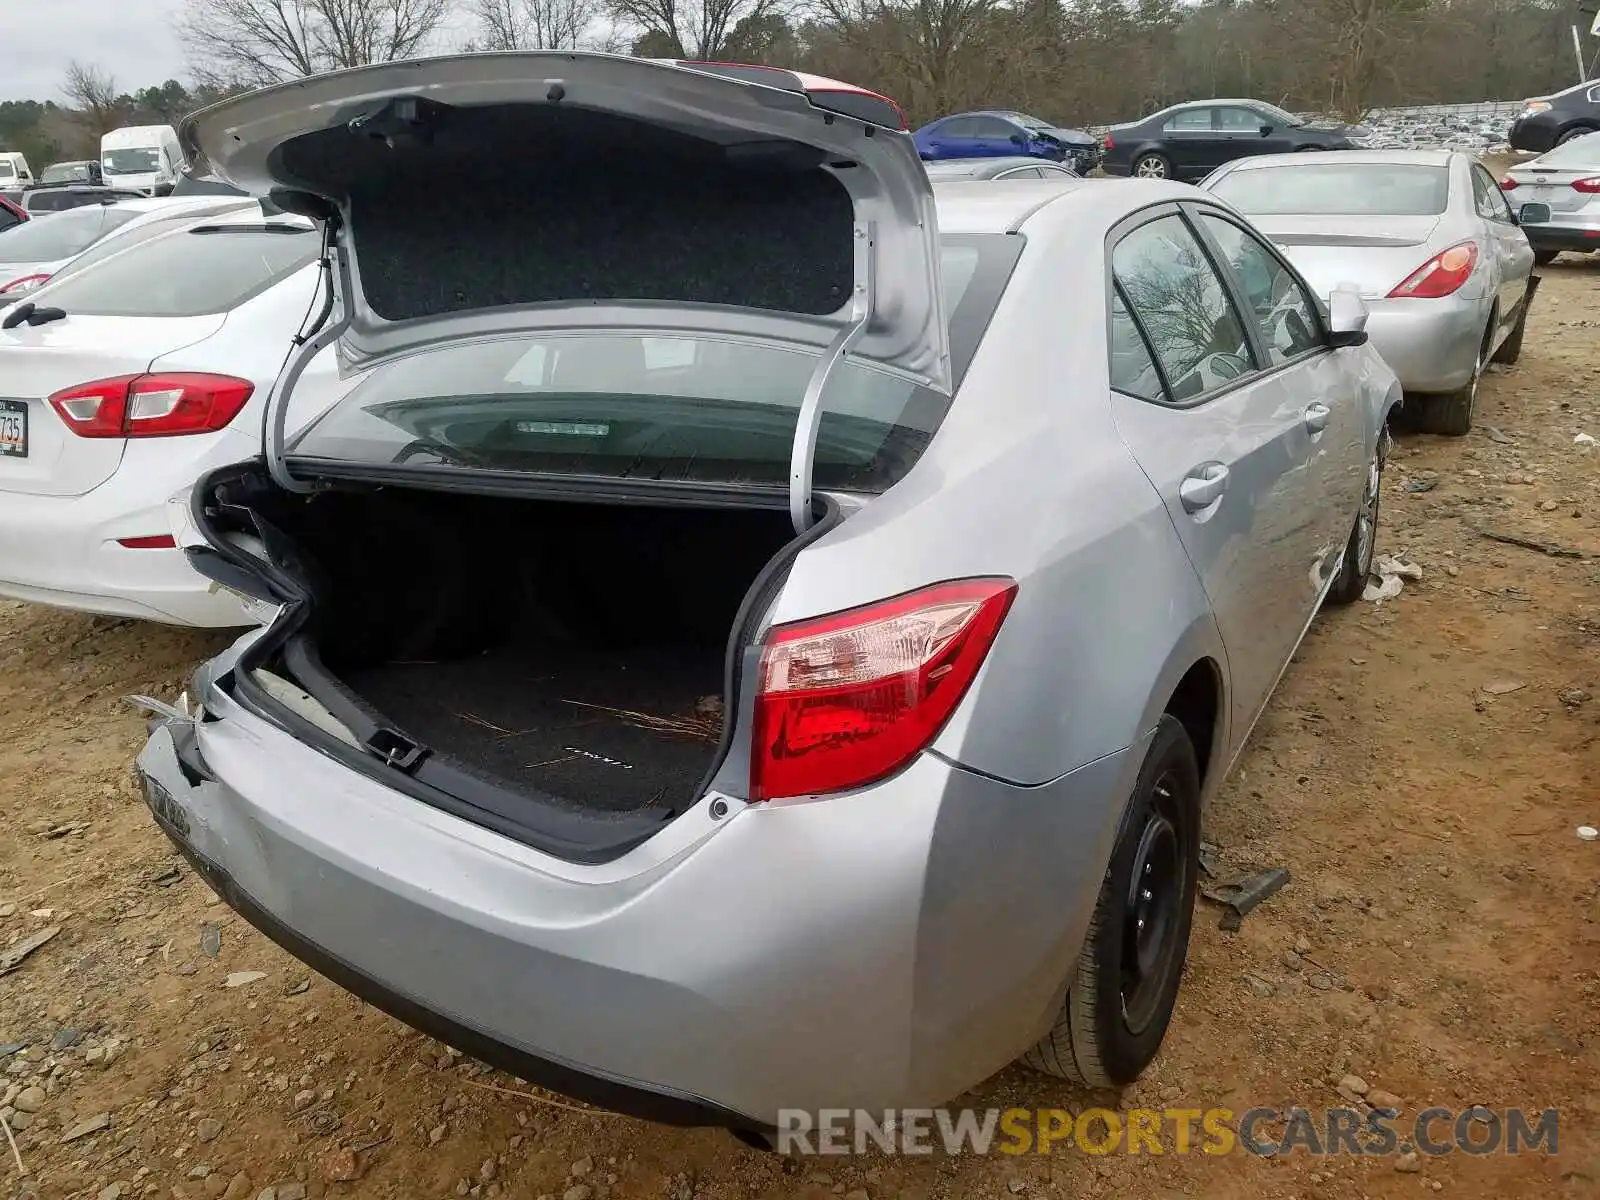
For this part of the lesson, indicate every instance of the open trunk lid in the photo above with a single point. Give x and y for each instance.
(1375, 253)
(488, 194)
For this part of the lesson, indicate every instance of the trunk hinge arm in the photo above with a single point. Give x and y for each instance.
(803, 454)
(308, 343)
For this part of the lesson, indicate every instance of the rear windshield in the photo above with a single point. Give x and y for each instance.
(123, 239)
(7, 171)
(207, 269)
(1579, 152)
(60, 235)
(1337, 189)
(688, 409)
(67, 173)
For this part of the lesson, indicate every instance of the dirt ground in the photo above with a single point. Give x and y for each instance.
(1421, 774)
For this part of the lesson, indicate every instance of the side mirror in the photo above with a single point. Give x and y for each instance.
(1347, 316)
(1531, 214)
(1266, 129)
(1016, 140)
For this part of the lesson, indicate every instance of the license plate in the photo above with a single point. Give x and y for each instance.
(13, 429)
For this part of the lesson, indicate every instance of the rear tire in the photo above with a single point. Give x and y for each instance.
(1544, 258)
(1152, 166)
(1120, 999)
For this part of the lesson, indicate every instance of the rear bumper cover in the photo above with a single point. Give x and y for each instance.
(1563, 237)
(922, 932)
(1430, 345)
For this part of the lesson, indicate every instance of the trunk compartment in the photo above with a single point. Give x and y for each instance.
(562, 671)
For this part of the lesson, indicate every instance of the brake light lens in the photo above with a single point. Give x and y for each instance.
(1509, 185)
(162, 405)
(1589, 186)
(851, 698)
(1107, 144)
(1441, 275)
(25, 283)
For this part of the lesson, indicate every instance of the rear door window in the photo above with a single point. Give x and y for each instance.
(204, 270)
(1183, 307)
(1192, 120)
(616, 404)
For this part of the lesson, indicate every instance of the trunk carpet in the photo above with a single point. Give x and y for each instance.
(511, 713)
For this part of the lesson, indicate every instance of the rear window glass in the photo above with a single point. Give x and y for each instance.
(209, 269)
(7, 171)
(692, 409)
(60, 235)
(1579, 152)
(123, 239)
(52, 201)
(1337, 189)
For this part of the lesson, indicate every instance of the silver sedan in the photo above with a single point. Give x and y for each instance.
(1557, 198)
(797, 602)
(1428, 239)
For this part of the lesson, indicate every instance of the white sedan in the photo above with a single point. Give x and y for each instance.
(33, 253)
(120, 384)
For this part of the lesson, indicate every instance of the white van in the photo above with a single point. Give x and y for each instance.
(14, 172)
(142, 158)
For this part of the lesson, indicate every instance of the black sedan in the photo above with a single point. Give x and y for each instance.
(1189, 141)
(1547, 121)
(1018, 167)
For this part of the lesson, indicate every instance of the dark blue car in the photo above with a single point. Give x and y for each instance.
(998, 134)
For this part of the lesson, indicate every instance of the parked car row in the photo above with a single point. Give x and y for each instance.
(585, 590)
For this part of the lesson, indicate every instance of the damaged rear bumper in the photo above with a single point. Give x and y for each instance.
(922, 931)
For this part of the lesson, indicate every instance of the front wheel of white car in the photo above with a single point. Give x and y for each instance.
(1120, 1000)
(1355, 565)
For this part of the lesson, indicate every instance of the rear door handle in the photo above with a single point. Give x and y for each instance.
(1317, 417)
(1203, 486)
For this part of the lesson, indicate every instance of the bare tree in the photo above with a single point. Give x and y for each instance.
(93, 92)
(257, 42)
(692, 28)
(533, 24)
(937, 53)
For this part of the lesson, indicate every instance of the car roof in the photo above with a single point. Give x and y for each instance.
(977, 206)
(1387, 158)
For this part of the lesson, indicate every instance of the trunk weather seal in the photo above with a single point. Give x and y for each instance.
(577, 837)
(803, 451)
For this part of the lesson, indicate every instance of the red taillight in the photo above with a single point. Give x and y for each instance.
(1590, 186)
(1107, 144)
(1441, 275)
(1509, 184)
(163, 405)
(850, 698)
(154, 541)
(25, 283)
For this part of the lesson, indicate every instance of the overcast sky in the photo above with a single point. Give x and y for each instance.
(131, 39)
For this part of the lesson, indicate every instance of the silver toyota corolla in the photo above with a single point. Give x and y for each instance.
(1429, 241)
(751, 636)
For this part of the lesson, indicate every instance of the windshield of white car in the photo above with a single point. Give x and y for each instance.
(1337, 189)
(685, 408)
(200, 271)
(1581, 151)
(60, 235)
(7, 171)
(136, 160)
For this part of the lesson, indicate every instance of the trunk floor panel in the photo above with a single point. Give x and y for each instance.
(537, 716)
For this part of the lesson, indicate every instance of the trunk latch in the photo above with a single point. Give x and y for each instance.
(399, 751)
